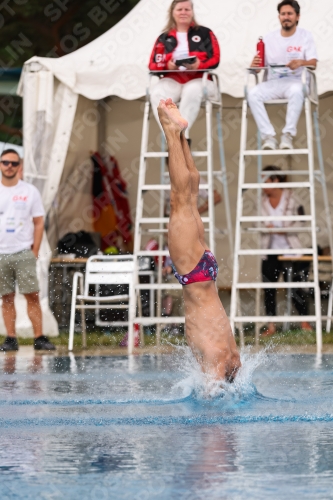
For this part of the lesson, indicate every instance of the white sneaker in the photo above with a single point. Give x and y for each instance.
(270, 143)
(286, 141)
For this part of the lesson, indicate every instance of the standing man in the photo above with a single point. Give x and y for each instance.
(21, 232)
(289, 49)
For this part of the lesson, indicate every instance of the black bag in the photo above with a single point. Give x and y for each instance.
(81, 244)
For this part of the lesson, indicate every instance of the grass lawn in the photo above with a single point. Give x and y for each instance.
(291, 337)
(102, 339)
(99, 339)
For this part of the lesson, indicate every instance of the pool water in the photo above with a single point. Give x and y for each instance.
(143, 427)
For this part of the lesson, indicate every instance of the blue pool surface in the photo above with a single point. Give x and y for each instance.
(143, 427)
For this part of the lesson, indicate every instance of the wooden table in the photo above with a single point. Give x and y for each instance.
(61, 260)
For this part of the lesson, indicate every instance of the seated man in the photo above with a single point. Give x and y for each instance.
(294, 48)
(208, 331)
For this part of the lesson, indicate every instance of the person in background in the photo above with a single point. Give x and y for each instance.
(21, 232)
(183, 38)
(294, 48)
(280, 202)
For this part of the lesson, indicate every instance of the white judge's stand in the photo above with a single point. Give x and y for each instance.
(310, 175)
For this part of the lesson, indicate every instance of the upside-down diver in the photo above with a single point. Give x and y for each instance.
(208, 330)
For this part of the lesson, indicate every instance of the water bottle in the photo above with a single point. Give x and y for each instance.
(261, 51)
(136, 335)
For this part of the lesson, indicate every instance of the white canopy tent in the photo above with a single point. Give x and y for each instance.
(116, 62)
(62, 98)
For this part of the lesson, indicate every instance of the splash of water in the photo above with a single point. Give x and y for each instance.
(203, 386)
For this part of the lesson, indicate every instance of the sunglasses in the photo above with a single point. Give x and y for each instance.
(6, 163)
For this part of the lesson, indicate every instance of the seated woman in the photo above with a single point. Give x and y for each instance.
(207, 327)
(277, 202)
(183, 38)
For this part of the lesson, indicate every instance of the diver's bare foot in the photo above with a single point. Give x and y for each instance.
(170, 117)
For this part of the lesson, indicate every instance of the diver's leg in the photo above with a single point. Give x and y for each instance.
(184, 243)
(195, 181)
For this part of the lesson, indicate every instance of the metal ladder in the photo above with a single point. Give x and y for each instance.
(310, 97)
(142, 221)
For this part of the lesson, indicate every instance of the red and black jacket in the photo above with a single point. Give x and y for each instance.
(202, 43)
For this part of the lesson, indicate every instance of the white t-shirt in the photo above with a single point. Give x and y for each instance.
(281, 50)
(181, 51)
(18, 206)
(278, 241)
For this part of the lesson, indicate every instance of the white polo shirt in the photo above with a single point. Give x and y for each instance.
(19, 204)
(281, 50)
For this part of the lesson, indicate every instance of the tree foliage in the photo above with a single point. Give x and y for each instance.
(50, 28)
(54, 28)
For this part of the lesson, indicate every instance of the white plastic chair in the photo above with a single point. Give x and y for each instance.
(104, 270)
(216, 100)
(309, 83)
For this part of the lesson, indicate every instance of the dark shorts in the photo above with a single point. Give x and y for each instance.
(18, 268)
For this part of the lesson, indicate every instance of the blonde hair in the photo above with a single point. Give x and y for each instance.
(171, 22)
